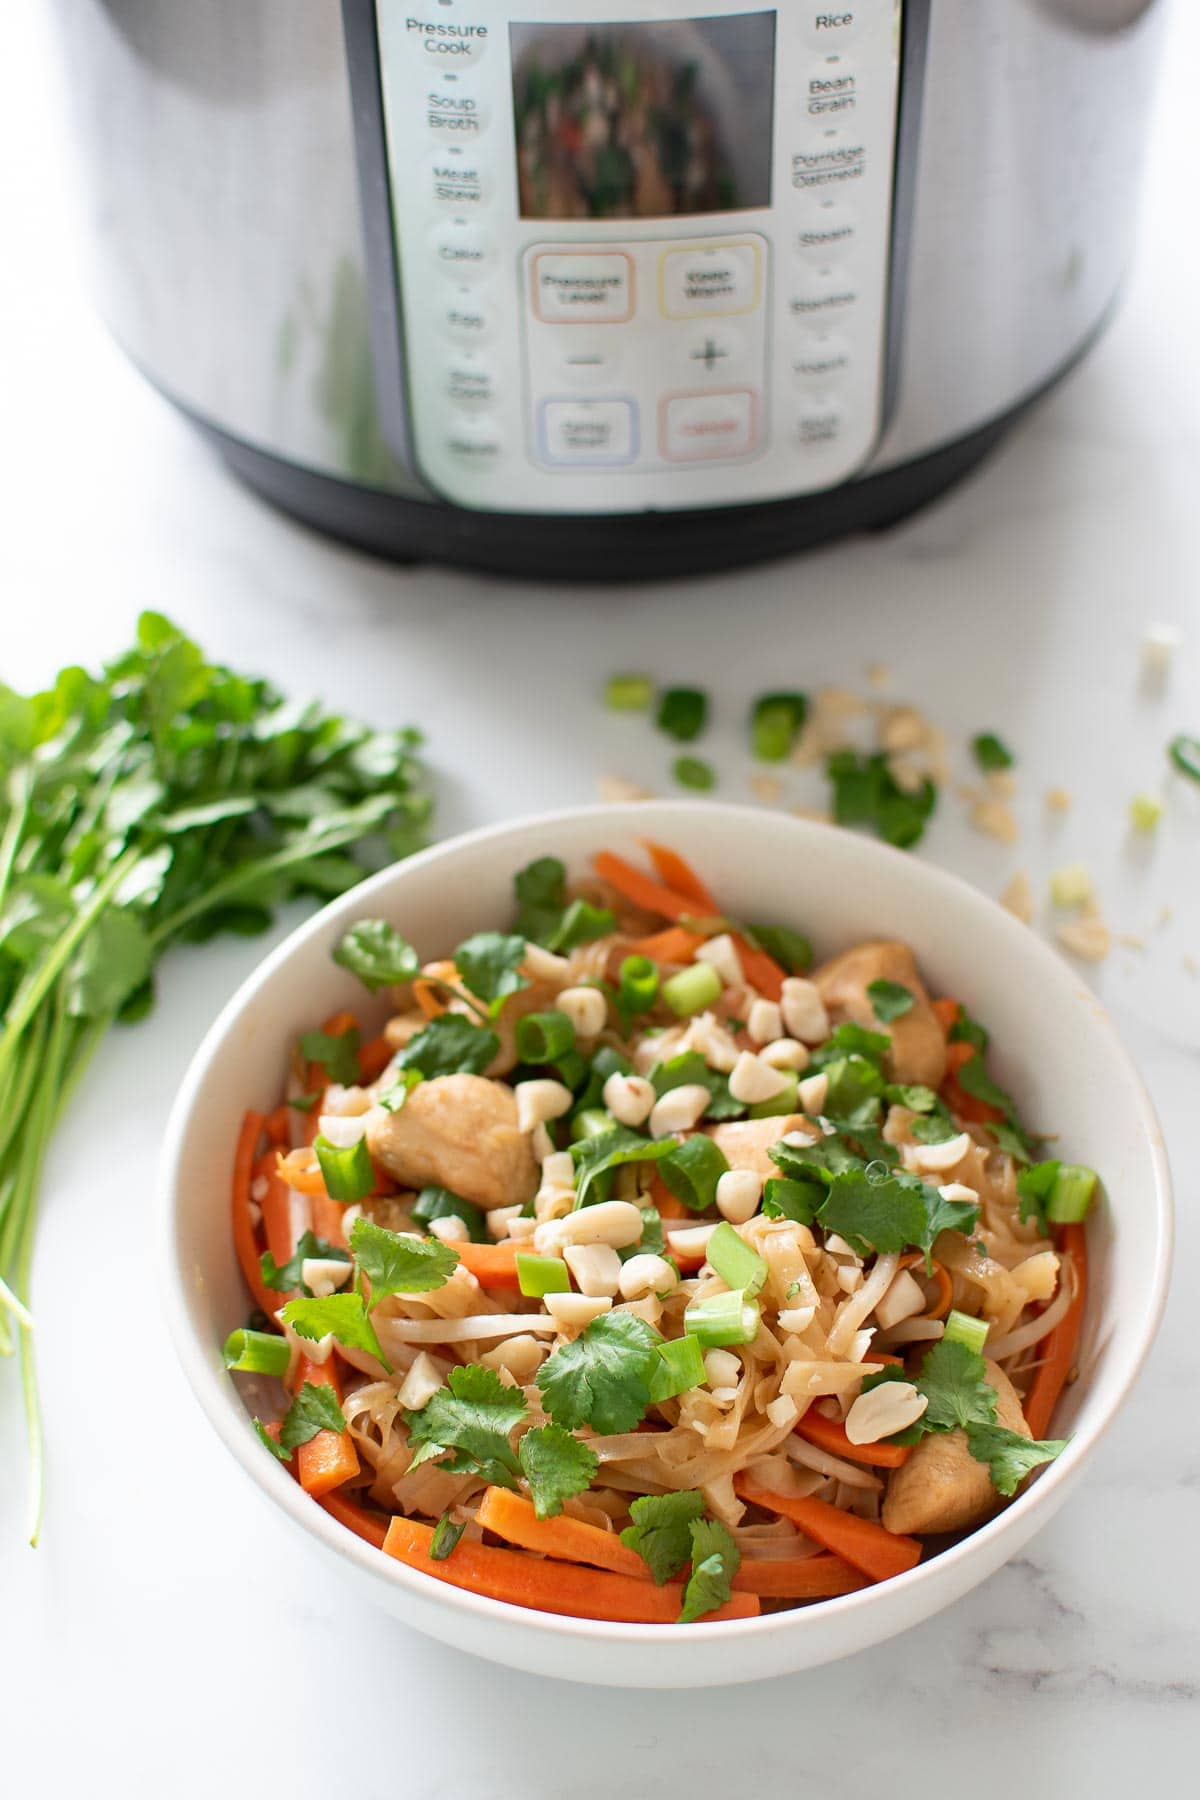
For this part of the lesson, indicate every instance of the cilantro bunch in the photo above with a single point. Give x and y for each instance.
(161, 801)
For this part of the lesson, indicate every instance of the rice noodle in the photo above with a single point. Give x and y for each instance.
(911, 1331)
(849, 1474)
(861, 1305)
(464, 1330)
(1024, 1337)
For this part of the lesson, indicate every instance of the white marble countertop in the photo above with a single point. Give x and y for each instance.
(167, 1636)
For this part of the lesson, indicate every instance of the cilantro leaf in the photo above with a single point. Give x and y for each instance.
(966, 1030)
(602, 1378)
(1013, 1140)
(265, 1437)
(892, 1212)
(787, 1199)
(954, 1381)
(1035, 1186)
(473, 1416)
(889, 1000)
(612, 1149)
(689, 1069)
(284, 1276)
(990, 752)
(916, 1097)
(582, 923)
(715, 1561)
(449, 1045)
(375, 952)
(544, 915)
(111, 964)
(1010, 1456)
(446, 1534)
(398, 1264)
(314, 1409)
(394, 1097)
(850, 1039)
(855, 1092)
(440, 1203)
(338, 1056)
(489, 964)
(342, 1315)
(556, 1466)
(865, 792)
(661, 1532)
(789, 948)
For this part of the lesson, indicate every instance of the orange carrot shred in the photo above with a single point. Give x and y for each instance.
(243, 1230)
(678, 875)
(878, 1553)
(1058, 1349)
(365, 1524)
(329, 1459)
(511, 1516)
(820, 1577)
(830, 1435)
(492, 1265)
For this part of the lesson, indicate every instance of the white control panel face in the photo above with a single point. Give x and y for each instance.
(644, 255)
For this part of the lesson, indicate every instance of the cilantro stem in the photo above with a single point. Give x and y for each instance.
(21, 789)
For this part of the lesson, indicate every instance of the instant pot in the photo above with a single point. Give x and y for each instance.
(607, 288)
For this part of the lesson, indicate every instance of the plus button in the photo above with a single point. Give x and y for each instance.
(710, 355)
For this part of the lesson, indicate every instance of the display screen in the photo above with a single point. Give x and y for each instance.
(645, 120)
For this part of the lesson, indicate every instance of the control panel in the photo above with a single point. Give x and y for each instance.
(643, 256)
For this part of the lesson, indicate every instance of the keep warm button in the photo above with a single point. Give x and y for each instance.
(710, 280)
(697, 427)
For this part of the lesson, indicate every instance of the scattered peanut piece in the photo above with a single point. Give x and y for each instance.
(1018, 898)
(820, 815)
(879, 675)
(1190, 964)
(766, 789)
(1158, 650)
(1087, 937)
(1001, 783)
(617, 790)
(995, 819)
(1058, 800)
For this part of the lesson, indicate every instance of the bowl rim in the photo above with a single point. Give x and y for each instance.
(218, 1399)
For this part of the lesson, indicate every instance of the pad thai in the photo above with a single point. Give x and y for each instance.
(639, 1270)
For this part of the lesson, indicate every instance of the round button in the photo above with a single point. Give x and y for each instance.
(457, 179)
(831, 90)
(818, 425)
(707, 358)
(471, 381)
(443, 44)
(825, 230)
(463, 249)
(466, 320)
(819, 362)
(473, 442)
(828, 28)
(823, 293)
(453, 114)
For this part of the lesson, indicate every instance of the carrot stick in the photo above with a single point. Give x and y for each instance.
(830, 1435)
(946, 1013)
(674, 945)
(369, 1525)
(761, 971)
(300, 1169)
(243, 1231)
(327, 1220)
(878, 1553)
(374, 1058)
(572, 1540)
(641, 889)
(966, 1106)
(492, 1265)
(329, 1459)
(278, 1126)
(941, 1275)
(678, 875)
(556, 1587)
(276, 1209)
(799, 1578)
(957, 1055)
(1059, 1348)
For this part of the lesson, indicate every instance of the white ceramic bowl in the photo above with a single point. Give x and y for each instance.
(1052, 1045)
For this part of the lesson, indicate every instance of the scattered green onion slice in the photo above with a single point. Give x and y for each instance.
(961, 1328)
(446, 1534)
(540, 1275)
(692, 1171)
(257, 1353)
(683, 713)
(735, 1262)
(692, 989)
(1185, 754)
(774, 723)
(786, 1101)
(1071, 885)
(1072, 1194)
(681, 1368)
(629, 693)
(572, 1070)
(990, 752)
(637, 984)
(441, 1203)
(723, 1321)
(693, 772)
(544, 1037)
(590, 1122)
(1145, 810)
(348, 1173)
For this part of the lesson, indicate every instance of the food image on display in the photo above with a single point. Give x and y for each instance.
(643, 121)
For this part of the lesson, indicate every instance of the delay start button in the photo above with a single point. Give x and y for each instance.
(444, 43)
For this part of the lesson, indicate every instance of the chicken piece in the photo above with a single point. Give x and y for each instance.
(458, 1132)
(918, 1048)
(746, 1143)
(941, 1487)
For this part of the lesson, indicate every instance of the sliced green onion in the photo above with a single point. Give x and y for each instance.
(1145, 810)
(786, 1101)
(629, 693)
(692, 1171)
(724, 1320)
(1185, 754)
(539, 1275)
(990, 752)
(571, 1070)
(693, 772)
(683, 713)
(348, 1173)
(590, 1122)
(961, 1328)
(637, 984)
(681, 1368)
(441, 1203)
(787, 1199)
(582, 923)
(396, 1093)
(257, 1353)
(446, 1534)
(544, 1037)
(774, 723)
(735, 1262)
(1071, 1194)
(1071, 886)
(692, 989)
